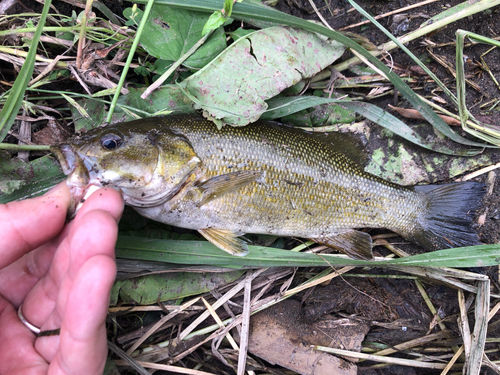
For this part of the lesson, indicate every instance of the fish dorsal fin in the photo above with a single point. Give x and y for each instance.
(354, 243)
(225, 240)
(220, 185)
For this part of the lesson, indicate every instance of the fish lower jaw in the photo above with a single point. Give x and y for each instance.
(79, 195)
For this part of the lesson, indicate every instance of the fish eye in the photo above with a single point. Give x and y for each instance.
(111, 141)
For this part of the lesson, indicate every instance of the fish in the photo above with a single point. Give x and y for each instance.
(264, 178)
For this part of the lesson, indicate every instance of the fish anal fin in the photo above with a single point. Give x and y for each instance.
(354, 243)
(225, 240)
(220, 185)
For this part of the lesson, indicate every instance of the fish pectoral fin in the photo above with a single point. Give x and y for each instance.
(354, 243)
(225, 240)
(220, 185)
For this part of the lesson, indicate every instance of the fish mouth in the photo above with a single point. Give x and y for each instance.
(65, 156)
(78, 175)
(73, 164)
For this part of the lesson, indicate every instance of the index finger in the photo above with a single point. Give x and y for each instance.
(30, 223)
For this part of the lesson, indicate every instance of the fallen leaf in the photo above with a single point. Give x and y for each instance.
(414, 114)
(235, 85)
(280, 335)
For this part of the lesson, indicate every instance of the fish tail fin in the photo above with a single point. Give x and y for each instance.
(451, 209)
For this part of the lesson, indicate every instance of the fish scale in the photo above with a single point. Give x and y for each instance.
(308, 188)
(262, 178)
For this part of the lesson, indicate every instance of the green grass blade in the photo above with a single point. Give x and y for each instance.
(388, 121)
(283, 106)
(15, 98)
(204, 253)
(474, 127)
(135, 44)
(407, 51)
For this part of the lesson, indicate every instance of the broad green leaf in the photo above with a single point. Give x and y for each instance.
(454, 167)
(214, 21)
(170, 33)
(134, 15)
(204, 253)
(150, 289)
(218, 18)
(235, 85)
(166, 98)
(20, 180)
(240, 33)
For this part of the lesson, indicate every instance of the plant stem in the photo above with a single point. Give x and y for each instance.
(81, 39)
(21, 53)
(145, 17)
(170, 70)
(10, 146)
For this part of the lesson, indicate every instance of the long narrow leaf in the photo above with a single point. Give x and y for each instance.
(280, 106)
(204, 253)
(15, 98)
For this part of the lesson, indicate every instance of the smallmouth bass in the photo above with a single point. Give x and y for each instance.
(263, 178)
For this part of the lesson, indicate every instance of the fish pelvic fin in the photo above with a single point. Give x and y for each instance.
(354, 243)
(220, 185)
(225, 240)
(448, 223)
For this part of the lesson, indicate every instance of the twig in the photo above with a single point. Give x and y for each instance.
(81, 39)
(463, 325)
(5, 5)
(479, 172)
(412, 343)
(419, 4)
(378, 358)
(127, 359)
(218, 320)
(321, 17)
(176, 369)
(245, 326)
(216, 305)
(473, 366)
(453, 360)
(159, 323)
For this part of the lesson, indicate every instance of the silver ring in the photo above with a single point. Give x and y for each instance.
(23, 320)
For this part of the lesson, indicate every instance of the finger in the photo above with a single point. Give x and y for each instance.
(18, 278)
(105, 199)
(82, 341)
(17, 353)
(21, 221)
(94, 234)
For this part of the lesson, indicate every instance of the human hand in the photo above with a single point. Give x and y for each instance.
(62, 275)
